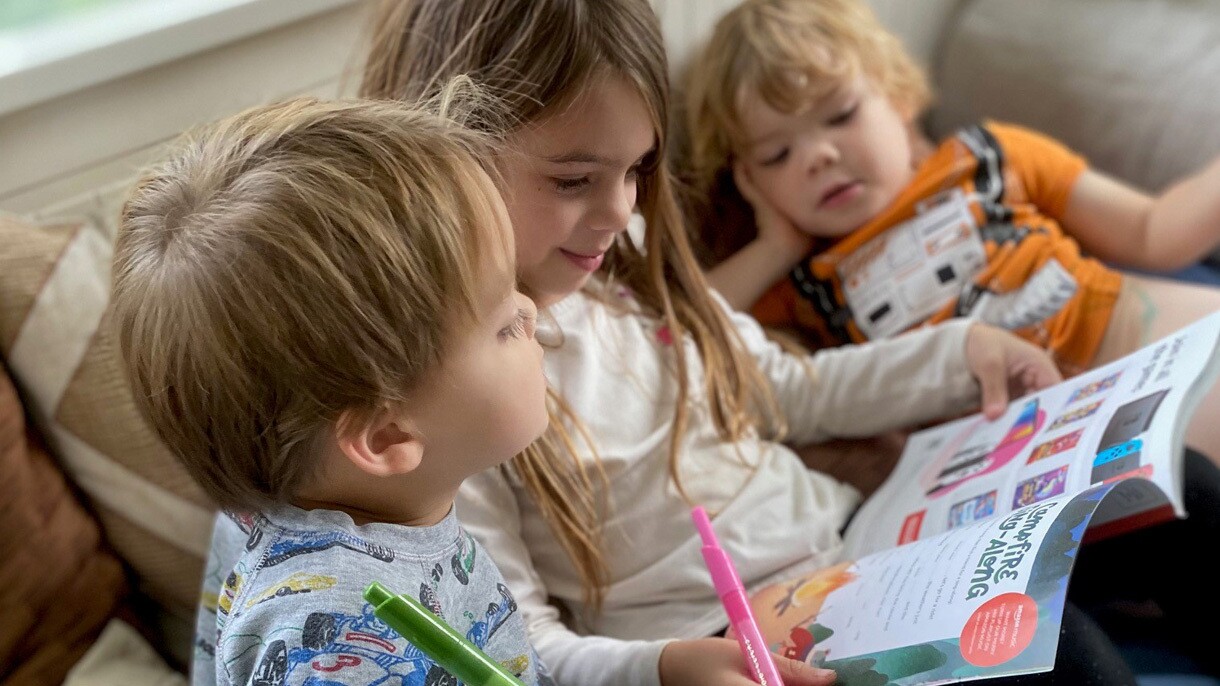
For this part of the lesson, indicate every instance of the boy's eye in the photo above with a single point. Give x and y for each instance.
(776, 158)
(844, 116)
(563, 184)
(519, 328)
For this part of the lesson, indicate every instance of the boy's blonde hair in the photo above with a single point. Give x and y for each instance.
(537, 56)
(791, 53)
(291, 267)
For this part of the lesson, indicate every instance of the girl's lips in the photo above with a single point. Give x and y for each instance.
(584, 262)
(841, 195)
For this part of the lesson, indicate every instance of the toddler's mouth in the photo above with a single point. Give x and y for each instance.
(839, 194)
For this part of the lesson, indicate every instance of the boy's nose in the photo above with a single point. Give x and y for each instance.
(819, 155)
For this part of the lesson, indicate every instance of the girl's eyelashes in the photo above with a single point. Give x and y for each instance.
(565, 185)
(519, 327)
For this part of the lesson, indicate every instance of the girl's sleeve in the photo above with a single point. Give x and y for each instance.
(487, 507)
(864, 390)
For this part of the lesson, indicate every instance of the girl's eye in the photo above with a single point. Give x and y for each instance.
(519, 327)
(844, 116)
(775, 159)
(563, 185)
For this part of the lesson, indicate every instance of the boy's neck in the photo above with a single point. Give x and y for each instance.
(406, 508)
(363, 516)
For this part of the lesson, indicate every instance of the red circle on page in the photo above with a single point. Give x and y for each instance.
(999, 629)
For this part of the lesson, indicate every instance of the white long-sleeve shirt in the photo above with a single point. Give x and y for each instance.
(776, 518)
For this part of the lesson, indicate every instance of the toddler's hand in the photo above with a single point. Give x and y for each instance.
(718, 662)
(773, 226)
(1006, 366)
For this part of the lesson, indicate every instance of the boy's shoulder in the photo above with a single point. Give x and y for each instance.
(1004, 139)
(293, 607)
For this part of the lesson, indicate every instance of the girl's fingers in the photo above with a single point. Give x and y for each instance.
(797, 673)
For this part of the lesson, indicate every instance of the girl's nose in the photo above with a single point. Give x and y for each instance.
(617, 206)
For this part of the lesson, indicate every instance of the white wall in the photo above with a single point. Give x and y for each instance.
(77, 153)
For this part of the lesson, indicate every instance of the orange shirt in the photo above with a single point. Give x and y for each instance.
(976, 233)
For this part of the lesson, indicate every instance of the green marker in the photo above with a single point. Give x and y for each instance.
(436, 639)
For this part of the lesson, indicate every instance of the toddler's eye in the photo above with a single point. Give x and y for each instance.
(844, 116)
(777, 158)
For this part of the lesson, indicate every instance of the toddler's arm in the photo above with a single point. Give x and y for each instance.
(1120, 224)
(747, 274)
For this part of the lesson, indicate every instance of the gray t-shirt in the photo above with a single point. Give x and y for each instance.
(291, 611)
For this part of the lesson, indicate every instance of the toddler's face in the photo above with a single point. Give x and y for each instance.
(832, 167)
(573, 187)
(486, 401)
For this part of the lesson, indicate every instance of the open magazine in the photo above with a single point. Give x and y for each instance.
(957, 568)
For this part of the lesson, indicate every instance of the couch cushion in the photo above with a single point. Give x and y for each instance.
(1131, 84)
(58, 583)
(54, 288)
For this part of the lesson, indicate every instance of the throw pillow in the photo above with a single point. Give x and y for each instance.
(54, 289)
(58, 583)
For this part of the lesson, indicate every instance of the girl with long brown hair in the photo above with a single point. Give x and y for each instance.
(662, 396)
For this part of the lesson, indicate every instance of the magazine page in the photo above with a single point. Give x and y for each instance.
(1119, 421)
(984, 599)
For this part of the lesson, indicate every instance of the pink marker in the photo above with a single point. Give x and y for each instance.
(736, 604)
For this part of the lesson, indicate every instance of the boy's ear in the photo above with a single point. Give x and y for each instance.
(387, 444)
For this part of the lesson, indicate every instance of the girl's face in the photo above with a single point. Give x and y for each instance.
(834, 166)
(573, 187)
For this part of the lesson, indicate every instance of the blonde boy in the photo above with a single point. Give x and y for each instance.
(806, 110)
(318, 310)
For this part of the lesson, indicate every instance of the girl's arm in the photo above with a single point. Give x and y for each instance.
(864, 390)
(747, 274)
(487, 508)
(1119, 224)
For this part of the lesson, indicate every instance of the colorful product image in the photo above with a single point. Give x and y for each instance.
(972, 510)
(977, 460)
(1055, 446)
(1115, 460)
(1118, 451)
(1131, 420)
(1045, 485)
(1075, 415)
(1094, 388)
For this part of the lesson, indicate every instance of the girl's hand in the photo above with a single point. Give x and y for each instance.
(1006, 366)
(718, 662)
(773, 227)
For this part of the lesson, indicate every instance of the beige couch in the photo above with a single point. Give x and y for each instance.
(1130, 83)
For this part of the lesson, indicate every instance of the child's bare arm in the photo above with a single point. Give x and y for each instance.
(1120, 224)
(747, 274)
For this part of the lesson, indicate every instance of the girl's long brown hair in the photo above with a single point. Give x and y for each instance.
(537, 56)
